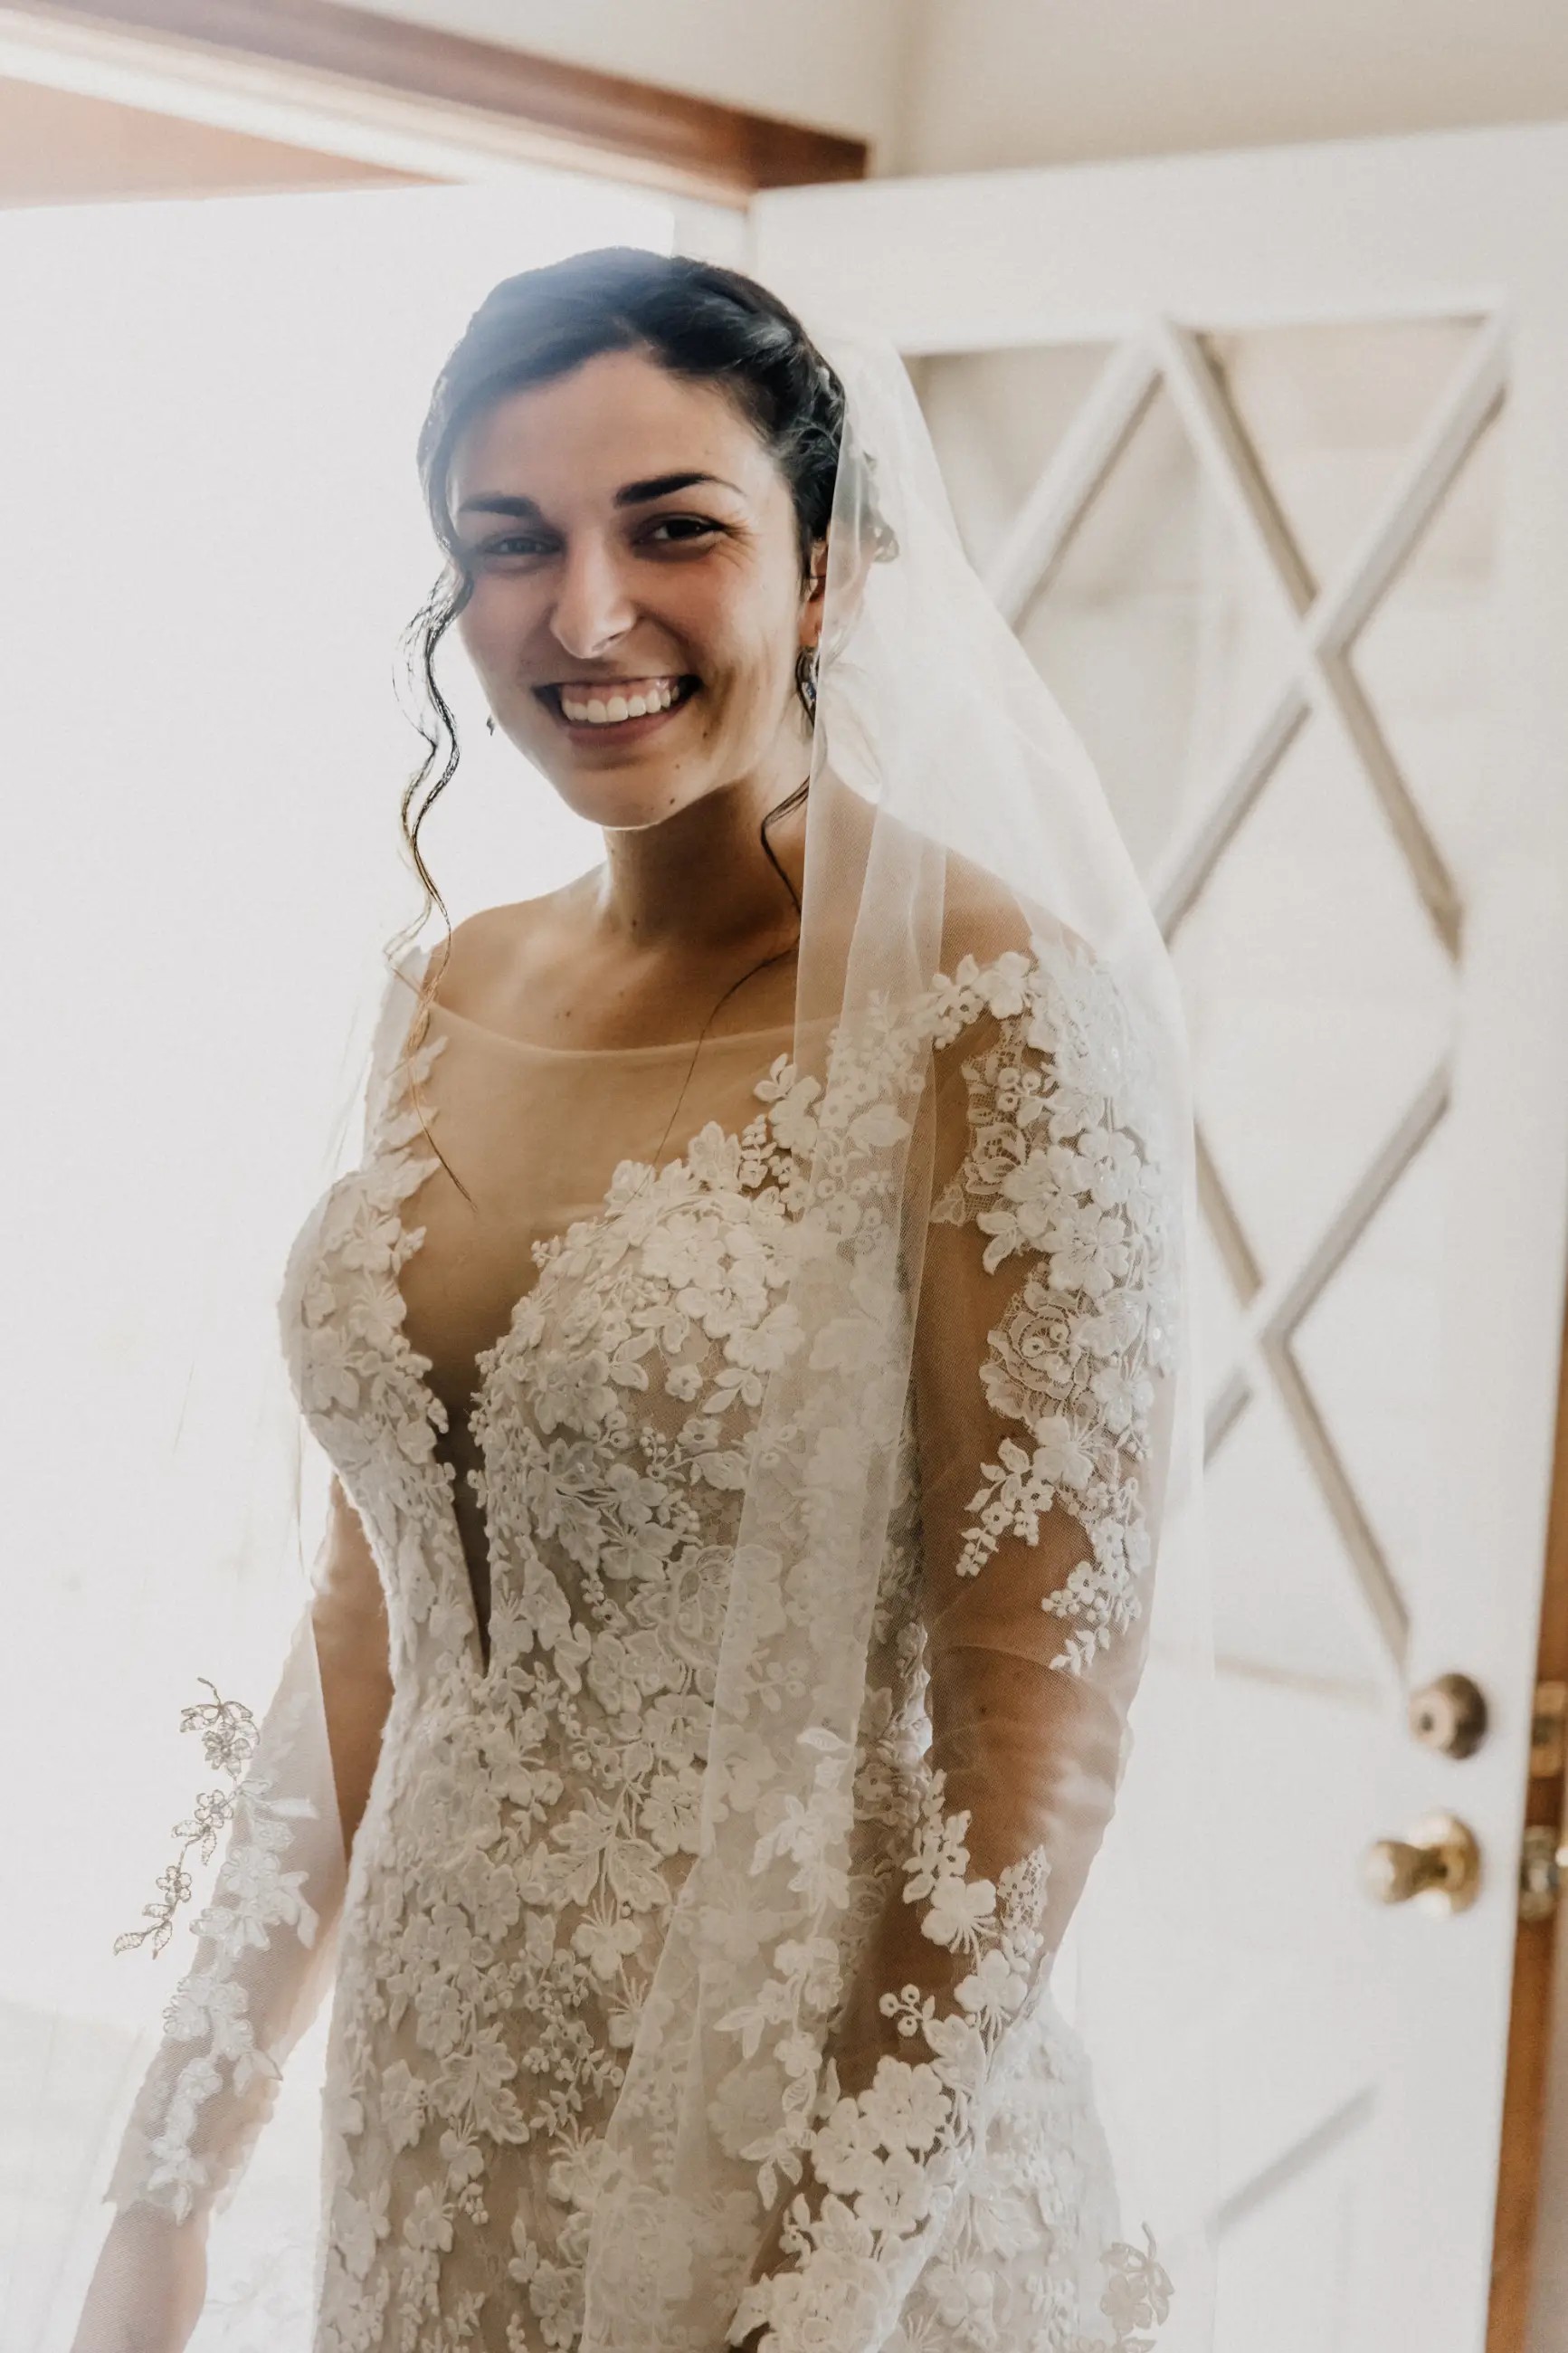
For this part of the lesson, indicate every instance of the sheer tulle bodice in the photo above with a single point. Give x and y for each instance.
(537, 1135)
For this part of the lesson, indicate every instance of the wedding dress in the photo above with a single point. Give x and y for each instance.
(759, 1508)
(535, 1802)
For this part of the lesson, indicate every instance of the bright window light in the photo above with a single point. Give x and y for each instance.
(214, 535)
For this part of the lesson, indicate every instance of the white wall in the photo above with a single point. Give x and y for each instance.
(833, 63)
(1030, 81)
(968, 85)
(60, 146)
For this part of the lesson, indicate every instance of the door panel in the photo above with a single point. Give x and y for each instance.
(1274, 527)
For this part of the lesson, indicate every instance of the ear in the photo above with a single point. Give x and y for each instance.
(814, 602)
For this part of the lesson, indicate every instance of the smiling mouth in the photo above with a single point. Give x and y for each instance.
(609, 706)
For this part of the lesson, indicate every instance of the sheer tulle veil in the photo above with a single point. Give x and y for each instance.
(960, 858)
(952, 813)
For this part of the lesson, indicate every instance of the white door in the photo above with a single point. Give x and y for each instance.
(1267, 458)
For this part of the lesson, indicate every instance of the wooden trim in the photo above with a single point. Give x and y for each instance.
(1531, 2007)
(567, 115)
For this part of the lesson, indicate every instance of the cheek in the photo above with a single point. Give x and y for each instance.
(475, 626)
(750, 651)
(494, 625)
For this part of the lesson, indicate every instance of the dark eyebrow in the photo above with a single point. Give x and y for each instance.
(633, 494)
(630, 495)
(497, 502)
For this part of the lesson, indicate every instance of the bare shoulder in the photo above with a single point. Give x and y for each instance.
(497, 953)
(983, 917)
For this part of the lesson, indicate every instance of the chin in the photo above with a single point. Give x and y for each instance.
(624, 802)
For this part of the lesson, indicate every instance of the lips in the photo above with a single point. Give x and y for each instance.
(613, 705)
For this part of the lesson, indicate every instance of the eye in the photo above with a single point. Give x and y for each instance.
(521, 543)
(686, 530)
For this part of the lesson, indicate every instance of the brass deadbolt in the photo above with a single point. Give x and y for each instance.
(1438, 1867)
(1449, 1716)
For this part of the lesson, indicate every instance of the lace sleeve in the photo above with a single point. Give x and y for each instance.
(267, 1936)
(1040, 1347)
(265, 1940)
(262, 1955)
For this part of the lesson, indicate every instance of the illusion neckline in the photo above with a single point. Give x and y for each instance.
(419, 960)
(415, 1365)
(664, 1048)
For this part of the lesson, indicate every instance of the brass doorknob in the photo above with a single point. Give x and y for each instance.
(1449, 1716)
(1437, 1867)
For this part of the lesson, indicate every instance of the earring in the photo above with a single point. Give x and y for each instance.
(805, 670)
(490, 724)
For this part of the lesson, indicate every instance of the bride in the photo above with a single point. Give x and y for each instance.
(751, 1352)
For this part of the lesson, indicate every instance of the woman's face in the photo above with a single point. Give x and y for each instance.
(632, 540)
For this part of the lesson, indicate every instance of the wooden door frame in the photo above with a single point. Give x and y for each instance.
(410, 97)
(1110, 247)
(1531, 2008)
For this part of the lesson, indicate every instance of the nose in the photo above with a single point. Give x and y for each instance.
(593, 607)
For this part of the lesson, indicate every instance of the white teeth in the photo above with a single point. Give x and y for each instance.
(601, 712)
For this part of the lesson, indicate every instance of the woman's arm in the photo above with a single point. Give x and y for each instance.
(263, 1958)
(1041, 1347)
(347, 1615)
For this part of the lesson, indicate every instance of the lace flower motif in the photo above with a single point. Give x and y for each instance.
(1064, 1169)
(229, 1735)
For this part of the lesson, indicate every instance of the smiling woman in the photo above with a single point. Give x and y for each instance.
(610, 699)
(692, 588)
(657, 460)
(752, 1450)
(669, 451)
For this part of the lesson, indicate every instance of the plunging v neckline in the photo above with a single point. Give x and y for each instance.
(416, 1367)
(439, 1475)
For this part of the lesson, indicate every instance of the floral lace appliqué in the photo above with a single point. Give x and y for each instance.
(1059, 1174)
(229, 1735)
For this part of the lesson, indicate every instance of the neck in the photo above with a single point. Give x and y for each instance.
(700, 881)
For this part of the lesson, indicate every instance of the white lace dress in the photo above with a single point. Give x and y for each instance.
(539, 1406)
